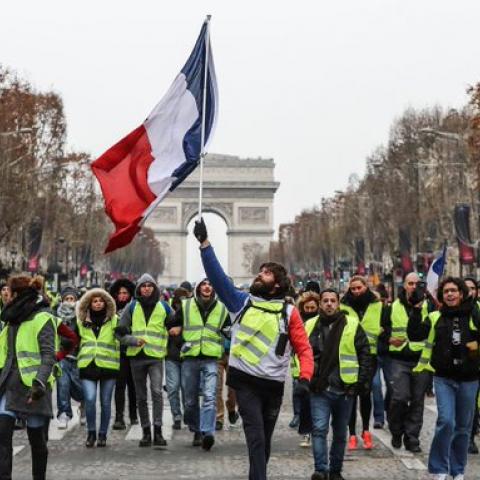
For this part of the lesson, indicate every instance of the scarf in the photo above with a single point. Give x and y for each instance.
(66, 311)
(23, 306)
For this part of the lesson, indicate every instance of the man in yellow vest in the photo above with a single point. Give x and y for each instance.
(360, 302)
(265, 328)
(405, 410)
(200, 321)
(142, 328)
(343, 365)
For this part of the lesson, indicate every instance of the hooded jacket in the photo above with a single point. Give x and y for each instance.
(124, 328)
(85, 317)
(204, 307)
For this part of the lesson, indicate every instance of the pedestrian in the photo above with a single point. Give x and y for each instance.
(122, 291)
(142, 328)
(264, 330)
(5, 297)
(361, 302)
(173, 366)
(342, 369)
(98, 359)
(200, 320)
(405, 412)
(451, 352)
(472, 447)
(69, 384)
(27, 358)
(308, 305)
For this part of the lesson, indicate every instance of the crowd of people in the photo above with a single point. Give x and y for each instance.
(356, 351)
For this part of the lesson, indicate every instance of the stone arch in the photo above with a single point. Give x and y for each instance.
(241, 192)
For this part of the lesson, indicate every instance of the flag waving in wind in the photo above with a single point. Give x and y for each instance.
(142, 168)
(436, 271)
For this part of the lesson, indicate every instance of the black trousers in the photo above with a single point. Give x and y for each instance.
(125, 380)
(405, 411)
(259, 411)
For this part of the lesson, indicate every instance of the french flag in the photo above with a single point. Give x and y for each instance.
(436, 271)
(142, 168)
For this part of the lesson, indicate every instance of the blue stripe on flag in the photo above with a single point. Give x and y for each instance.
(194, 71)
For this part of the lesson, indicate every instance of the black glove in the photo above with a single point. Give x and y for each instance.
(200, 230)
(37, 391)
(302, 388)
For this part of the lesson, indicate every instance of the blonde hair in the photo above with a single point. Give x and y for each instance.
(308, 297)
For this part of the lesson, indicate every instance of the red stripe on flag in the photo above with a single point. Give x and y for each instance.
(122, 173)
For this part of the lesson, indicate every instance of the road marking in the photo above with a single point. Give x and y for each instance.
(54, 433)
(407, 458)
(18, 449)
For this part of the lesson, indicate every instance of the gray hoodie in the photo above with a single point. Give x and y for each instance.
(124, 329)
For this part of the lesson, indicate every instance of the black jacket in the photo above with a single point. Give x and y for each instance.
(325, 343)
(450, 359)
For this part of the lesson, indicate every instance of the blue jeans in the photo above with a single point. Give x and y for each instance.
(90, 396)
(173, 375)
(33, 421)
(68, 386)
(198, 373)
(339, 407)
(456, 406)
(379, 402)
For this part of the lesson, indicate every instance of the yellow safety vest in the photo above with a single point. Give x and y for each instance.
(399, 319)
(27, 349)
(294, 362)
(258, 331)
(104, 350)
(199, 338)
(155, 333)
(426, 356)
(371, 322)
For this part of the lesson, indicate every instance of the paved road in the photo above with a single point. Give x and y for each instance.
(122, 458)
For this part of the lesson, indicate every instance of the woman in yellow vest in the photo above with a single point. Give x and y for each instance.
(98, 359)
(451, 352)
(27, 357)
(360, 302)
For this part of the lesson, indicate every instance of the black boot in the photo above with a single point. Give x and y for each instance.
(38, 445)
(91, 439)
(146, 440)
(102, 440)
(158, 439)
(119, 424)
(197, 439)
(7, 426)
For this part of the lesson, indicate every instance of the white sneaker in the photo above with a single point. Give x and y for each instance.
(305, 442)
(460, 476)
(439, 476)
(62, 421)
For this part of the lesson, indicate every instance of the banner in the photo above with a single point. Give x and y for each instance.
(35, 232)
(327, 268)
(461, 219)
(360, 256)
(405, 247)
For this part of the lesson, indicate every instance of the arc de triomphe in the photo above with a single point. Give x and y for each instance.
(241, 191)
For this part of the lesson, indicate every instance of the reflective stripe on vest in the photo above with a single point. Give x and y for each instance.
(155, 334)
(202, 339)
(104, 350)
(426, 356)
(295, 362)
(399, 319)
(371, 322)
(27, 349)
(258, 331)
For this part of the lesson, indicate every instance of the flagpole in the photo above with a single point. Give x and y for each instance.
(204, 112)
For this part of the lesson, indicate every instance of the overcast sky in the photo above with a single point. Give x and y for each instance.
(313, 84)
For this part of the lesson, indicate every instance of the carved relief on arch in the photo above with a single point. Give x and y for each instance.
(224, 209)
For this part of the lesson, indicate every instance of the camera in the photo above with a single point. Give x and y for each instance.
(418, 295)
